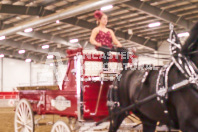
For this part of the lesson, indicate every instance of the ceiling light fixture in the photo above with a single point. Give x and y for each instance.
(21, 51)
(19, 18)
(185, 34)
(73, 41)
(50, 57)
(156, 24)
(28, 60)
(106, 7)
(57, 21)
(45, 46)
(1, 55)
(28, 30)
(2, 37)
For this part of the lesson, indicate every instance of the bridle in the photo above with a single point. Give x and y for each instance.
(183, 63)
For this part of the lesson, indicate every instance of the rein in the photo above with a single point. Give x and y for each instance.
(173, 88)
(191, 53)
(192, 78)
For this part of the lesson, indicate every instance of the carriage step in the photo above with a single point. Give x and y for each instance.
(108, 75)
(109, 72)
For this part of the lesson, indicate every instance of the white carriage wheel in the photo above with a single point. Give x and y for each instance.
(60, 126)
(24, 119)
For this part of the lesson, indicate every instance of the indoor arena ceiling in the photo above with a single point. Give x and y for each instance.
(76, 22)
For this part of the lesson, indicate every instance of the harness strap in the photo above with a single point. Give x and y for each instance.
(142, 83)
(162, 81)
(112, 99)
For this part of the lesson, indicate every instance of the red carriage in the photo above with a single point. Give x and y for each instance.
(83, 95)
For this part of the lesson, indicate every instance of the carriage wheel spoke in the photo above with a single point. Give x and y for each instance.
(19, 127)
(22, 108)
(25, 113)
(26, 117)
(22, 130)
(29, 122)
(20, 111)
(29, 116)
(20, 117)
(20, 122)
(60, 128)
(28, 113)
(63, 129)
(28, 127)
(56, 129)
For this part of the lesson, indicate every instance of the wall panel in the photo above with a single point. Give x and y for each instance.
(15, 73)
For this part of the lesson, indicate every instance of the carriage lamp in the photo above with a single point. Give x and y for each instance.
(21, 51)
(2, 37)
(154, 24)
(28, 60)
(185, 34)
(28, 30)
(73, 41)
(1, 55)
(45, 46)
(50, 57)
(106, 7)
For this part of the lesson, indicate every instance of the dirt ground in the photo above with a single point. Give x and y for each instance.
(7, 121)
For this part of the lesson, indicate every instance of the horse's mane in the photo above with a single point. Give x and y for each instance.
(191, 39)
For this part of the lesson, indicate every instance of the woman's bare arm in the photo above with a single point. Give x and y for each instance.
(93, 36)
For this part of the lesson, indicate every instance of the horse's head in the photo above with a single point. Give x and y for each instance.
(190, 47)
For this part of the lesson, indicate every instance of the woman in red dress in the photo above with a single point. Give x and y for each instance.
(105, 40)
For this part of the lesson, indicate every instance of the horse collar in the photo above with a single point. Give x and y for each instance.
(162, 82)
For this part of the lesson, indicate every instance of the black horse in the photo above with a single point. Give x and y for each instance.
(182, 104)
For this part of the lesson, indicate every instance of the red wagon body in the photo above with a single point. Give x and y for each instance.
(83, 96)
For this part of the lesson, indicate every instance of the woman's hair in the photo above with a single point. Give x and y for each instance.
(98, 15)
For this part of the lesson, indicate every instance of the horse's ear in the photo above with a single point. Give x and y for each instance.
(177, 38)
(191, 39)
